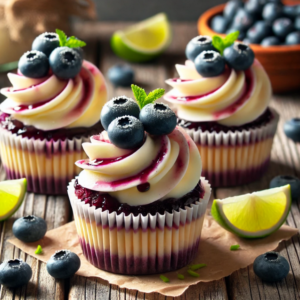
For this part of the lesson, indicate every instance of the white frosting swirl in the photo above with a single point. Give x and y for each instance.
(233, 98)
(171, 164)
(50, 103)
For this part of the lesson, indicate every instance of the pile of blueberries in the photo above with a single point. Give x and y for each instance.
(46, 54)
(125, 123)
(265, 22)
(209, 62)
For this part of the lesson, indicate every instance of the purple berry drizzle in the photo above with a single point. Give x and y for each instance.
(18, 128)
(262, 120)
(107, 202)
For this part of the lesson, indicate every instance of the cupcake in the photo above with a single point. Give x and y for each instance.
(53, 107)
(139, 203)
(221, 99)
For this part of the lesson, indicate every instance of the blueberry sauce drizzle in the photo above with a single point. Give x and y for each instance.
(107, 202)
(18, 128)
(262, 120)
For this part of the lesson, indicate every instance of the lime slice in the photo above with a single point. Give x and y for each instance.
(143, 41)
(254, 215)
(12, 194)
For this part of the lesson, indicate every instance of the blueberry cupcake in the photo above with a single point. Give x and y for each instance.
(139, 203)
(53, 107)
(221, 99)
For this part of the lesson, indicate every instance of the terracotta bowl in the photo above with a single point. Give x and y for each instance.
(282, 63)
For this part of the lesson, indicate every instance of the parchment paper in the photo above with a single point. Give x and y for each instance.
(214, 251)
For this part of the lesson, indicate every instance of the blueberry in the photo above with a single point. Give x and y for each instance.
(239, 56)
(197, 45)
(282, 27)
(258, 31)
(246, 41)
(46, 43)
(29, 229)
(242, 21)
(290, 11)
(297, 23)
(121, 75)
(65, 62)
(231, 8)
(158, 119)
(210, 64)
(254, 7)
(219, 24)
(15, 273)
(126, 132)
(34, 64)
(79, 51)
(241, 36)
(272, 11)
(291, 129)
(270, 41)
(271, 267)
(118, 107)
(282, 180)
(63, 264)
(293, 38)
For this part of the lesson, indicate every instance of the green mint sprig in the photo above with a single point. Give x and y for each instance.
(142, 98)
(221, 44)
(71, 42)
(38, 250)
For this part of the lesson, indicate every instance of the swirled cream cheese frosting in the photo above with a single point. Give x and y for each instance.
(233, 98)
(169, 164)
(50, 103)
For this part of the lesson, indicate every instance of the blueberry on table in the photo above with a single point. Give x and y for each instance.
(46, 43)
(242, 21)
(290, 11)
(34, 64)
(121, 75)
(293, 38)
(15, 273)
(197, 45)
(219, 24)
(231, 8)
(271, 267)
(270, 41)
(297, 23)
(126, 132)
(254, 7)
(282, 180)
(282, 27)
(158, 119)
(65, 62)
(258, 31)
(63, 264)
(239, 56)
(272, 11)
(29, 229)
(210, 64)
(118, 107)
(291, 129)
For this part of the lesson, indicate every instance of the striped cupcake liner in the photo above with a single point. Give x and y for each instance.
(139, 244)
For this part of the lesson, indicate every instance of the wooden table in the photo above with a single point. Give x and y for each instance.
(242, 284)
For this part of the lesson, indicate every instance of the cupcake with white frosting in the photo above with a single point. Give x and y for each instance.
(140, 201)
(221, 99)
(53, 107)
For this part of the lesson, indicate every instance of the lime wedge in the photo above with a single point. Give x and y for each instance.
(12, 194)
(143, 41)
(254, 215)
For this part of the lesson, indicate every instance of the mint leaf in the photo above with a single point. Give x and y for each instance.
(38, 250)
(234, 247)
(62, 37)
(164, 278)
(218, 43)
(230, 39)
(197, 266)
(154, 95)
(74, 42)
(139, 95)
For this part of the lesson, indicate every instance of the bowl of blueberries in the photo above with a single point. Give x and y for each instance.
(271, 27)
